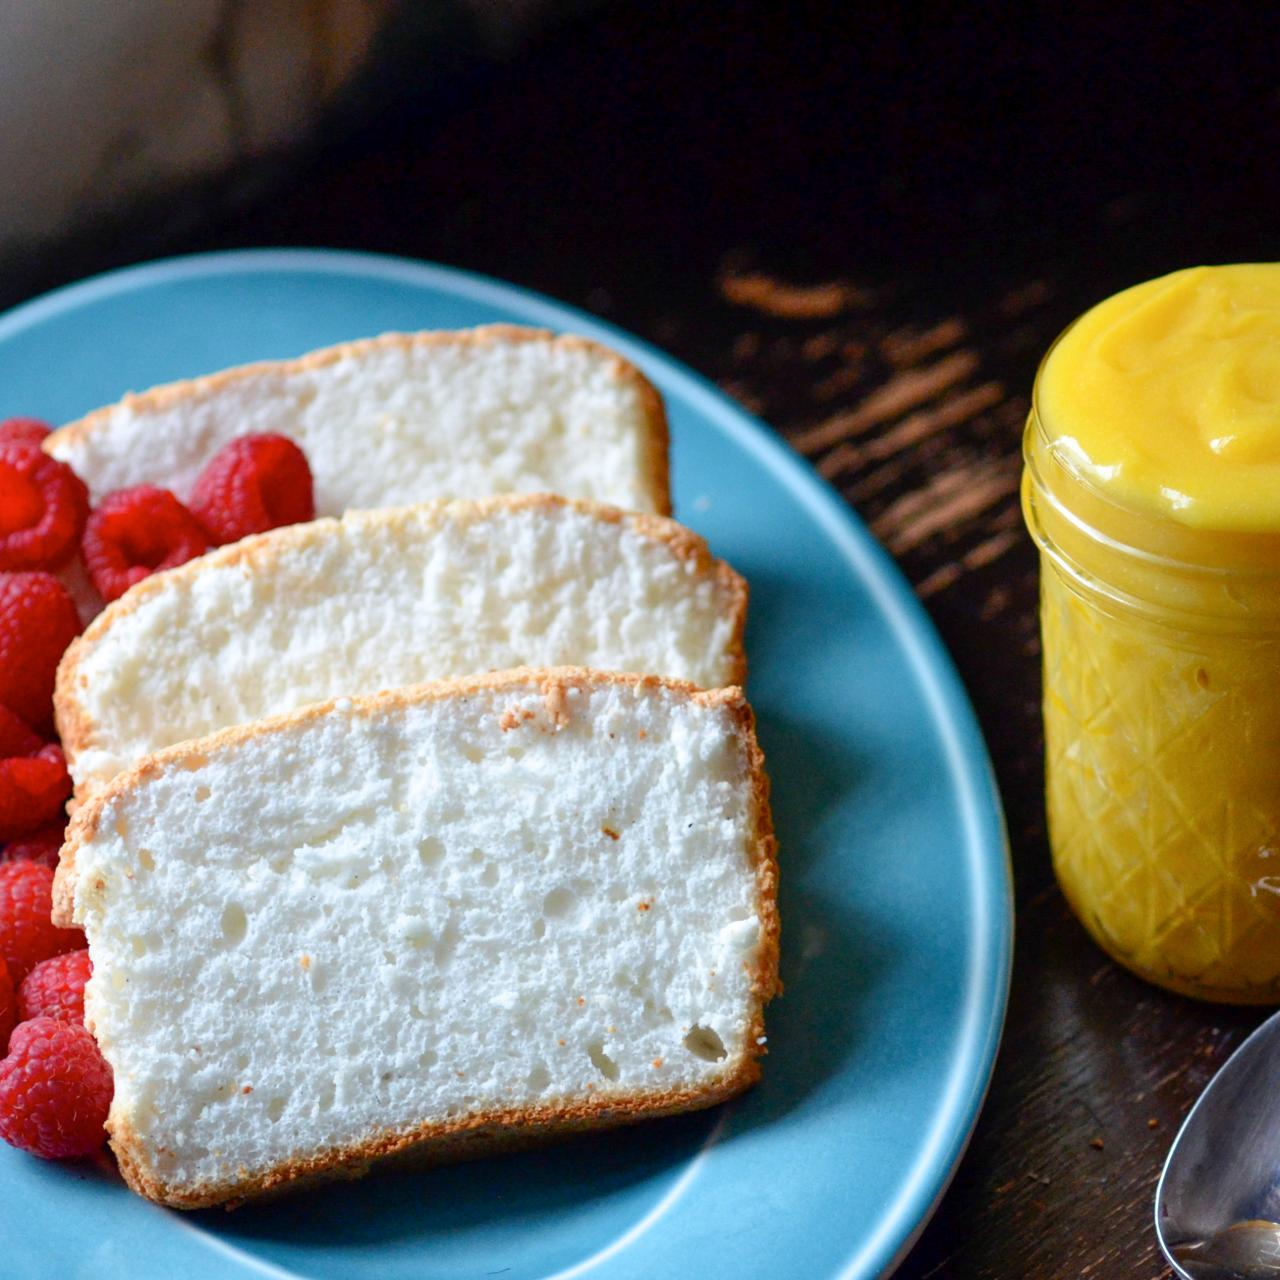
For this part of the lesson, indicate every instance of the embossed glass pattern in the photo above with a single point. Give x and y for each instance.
(1162, 734)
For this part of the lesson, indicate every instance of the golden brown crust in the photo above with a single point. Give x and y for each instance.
(466, 1138)
(481, 1134)
(174, 393)
(76, 728)
(658, 443)
(765, 980)
(446, 1142)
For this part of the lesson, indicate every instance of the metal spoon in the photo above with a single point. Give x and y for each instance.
(1218, 1202)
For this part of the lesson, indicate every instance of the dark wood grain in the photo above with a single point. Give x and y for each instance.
(868, 229)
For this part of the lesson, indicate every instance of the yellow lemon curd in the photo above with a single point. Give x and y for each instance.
(1152, 486)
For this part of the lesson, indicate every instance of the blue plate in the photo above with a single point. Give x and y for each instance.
(895, 891)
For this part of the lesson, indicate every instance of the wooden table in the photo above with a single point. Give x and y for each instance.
(868, 230)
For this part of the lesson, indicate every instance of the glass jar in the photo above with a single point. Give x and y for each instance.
(1162, 731)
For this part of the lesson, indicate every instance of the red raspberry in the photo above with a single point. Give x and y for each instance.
(8, 1007)
(135, 532)
(17, 738)
(31, 430)
(32, 781)
(33, 791)
(38, 619)
(43, 507)
(254, 484)
(55, 988)
(41, 846)
(55, 1090)
(27, 935)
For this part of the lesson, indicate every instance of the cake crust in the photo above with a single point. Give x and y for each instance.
(77, 729)
(467, 1138)
(173, 394)
(498, 1129)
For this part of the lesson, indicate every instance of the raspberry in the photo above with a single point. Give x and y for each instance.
(41, 846)
(33, 782)
(254, 484)
(55, 1090)
(27, 935)
(33, 791)
(8, 1007)
(38, 619)
(55, 988)
(31, 430)
(134, 533)
(17, 738)
(43, 506)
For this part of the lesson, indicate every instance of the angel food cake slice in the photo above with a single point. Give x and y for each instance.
(388, 598)
(402, 418)
(433, 921)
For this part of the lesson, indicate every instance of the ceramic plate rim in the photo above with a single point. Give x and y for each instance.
(988, 962)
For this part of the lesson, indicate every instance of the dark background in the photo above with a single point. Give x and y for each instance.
(867, 223)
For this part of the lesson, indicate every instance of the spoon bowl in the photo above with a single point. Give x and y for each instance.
(1218, 1200)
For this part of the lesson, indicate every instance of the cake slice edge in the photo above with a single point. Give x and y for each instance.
(171, 394)
(77, 728)
(474, 1134)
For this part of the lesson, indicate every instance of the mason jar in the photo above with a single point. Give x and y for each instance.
(1161, 647)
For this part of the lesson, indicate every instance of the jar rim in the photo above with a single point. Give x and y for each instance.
(1152, 572)
(1208, 552)
(1134, 548)
(1099, 494)
(1136, 558)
